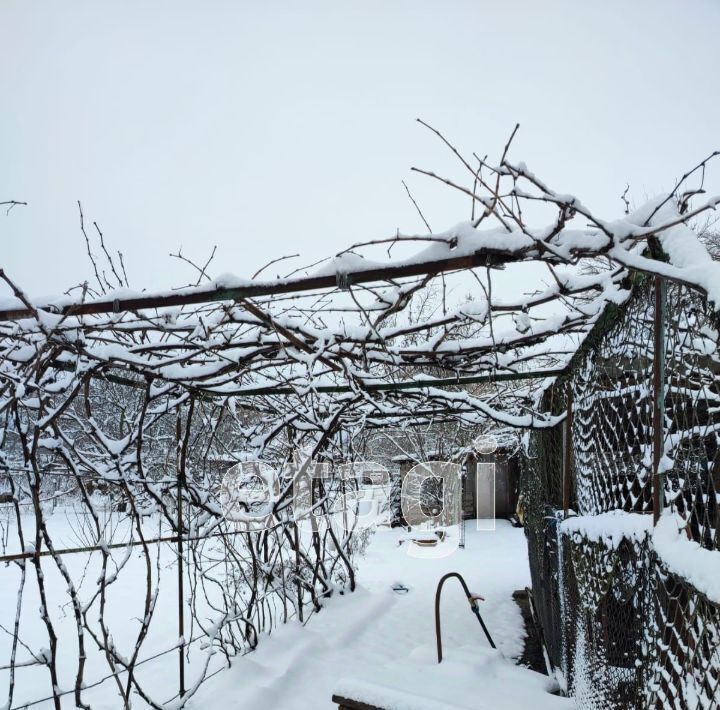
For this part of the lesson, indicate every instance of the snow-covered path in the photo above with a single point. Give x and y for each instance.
(379, 636)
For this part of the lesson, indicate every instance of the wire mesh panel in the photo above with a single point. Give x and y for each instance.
(612, 422)
(684, 634)
(540, 474)
(692, 414)
(625, 622)
(606, 593)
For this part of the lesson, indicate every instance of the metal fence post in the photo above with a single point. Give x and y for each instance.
(658, 478)
(180, 472)
(567, 450)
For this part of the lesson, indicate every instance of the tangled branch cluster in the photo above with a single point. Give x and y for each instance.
(136, 403)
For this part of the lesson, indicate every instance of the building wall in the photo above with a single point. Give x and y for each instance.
(484, 497)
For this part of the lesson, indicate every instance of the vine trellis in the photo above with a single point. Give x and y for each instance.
(121, 412)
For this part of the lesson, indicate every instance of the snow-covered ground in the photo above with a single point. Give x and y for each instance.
(383, 643)
(372, 636)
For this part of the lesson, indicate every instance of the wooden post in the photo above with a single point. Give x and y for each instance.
(658, 478)
(567, 450)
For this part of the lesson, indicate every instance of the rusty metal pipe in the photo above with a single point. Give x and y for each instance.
(472, 600)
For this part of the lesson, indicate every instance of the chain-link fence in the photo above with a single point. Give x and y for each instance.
(621, 507)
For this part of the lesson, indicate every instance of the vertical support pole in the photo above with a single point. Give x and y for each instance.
(295, 516)
(298, 583)
(181, 575)
(461, 501)
(567, 450)
(658, 478)
(343, 490)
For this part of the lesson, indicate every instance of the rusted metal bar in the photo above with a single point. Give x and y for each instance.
(340, 389)
(113, 546)
(658, 478)
(181, 461)
(567, 451)
(205, 294)
(90, 548)
(409, 384)
(419, 384)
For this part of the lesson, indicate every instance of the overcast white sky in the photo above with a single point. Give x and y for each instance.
(275, 127)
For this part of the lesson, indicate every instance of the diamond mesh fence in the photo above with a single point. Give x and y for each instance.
(625, 593)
